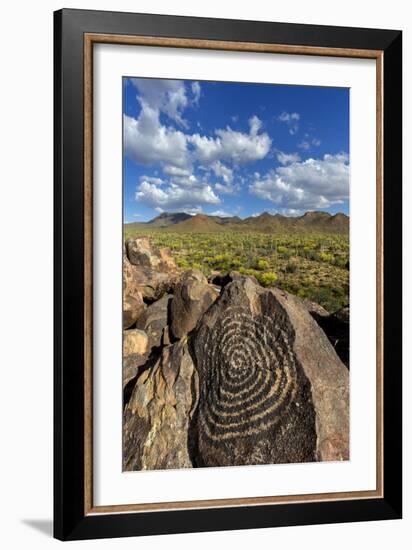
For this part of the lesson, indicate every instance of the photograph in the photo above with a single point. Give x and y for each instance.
(227, 263)
(236, 274)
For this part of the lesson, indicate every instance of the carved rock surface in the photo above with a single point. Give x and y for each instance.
(158, 413)
(192, 297)
(272, 389)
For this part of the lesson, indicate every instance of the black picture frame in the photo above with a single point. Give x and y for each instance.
(70, 520)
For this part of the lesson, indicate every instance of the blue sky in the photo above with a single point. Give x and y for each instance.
(233, 148)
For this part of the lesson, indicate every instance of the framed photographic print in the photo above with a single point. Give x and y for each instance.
(227, 274)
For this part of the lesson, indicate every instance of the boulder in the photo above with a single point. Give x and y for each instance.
(143, 253)
(135, 353)
(159, 411)
(133, 305)
(135, 342)
(223, 279)
(154, 320)
(155, 285)
(315, 309)
(271, 387)
(150, 271)
(149, 285)
(192, 297)
(166, 261)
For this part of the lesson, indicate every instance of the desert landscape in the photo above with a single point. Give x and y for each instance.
(236, 274)
(235, 340)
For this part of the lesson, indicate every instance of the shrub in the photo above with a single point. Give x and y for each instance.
(325, 257)
(268, 278)
(262, 265)
(250, 272)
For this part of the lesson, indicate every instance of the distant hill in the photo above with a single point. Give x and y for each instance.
(268, 223)
(169, 218)
(198, 224)
(310, 222)
(225, 220)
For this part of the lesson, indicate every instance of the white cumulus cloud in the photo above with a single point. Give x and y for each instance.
(222, 171)
(176, 171)
(232, 146)
(159, 137)
(287, 158)
(167, 96)
(175, 197)
(313, 183)
(147, 141)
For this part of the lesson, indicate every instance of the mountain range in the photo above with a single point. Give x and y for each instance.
(310, 222)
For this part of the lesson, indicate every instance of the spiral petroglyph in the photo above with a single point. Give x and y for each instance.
(252, 374)
(251, 384)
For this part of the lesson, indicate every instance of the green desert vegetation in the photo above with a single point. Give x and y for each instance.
(312, 266)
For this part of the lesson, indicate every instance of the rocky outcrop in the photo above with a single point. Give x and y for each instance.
(226, 372)
(157, 416)
(193, 296)
(148, 274)
(152, 270)
(267, 393)
(143, 253)
(154, 320)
